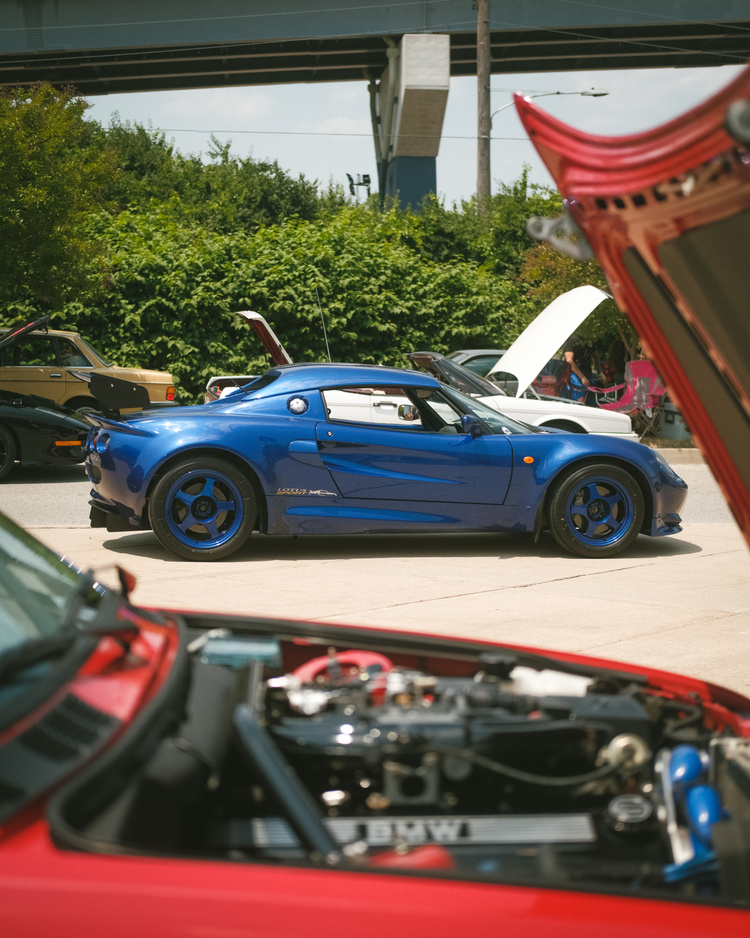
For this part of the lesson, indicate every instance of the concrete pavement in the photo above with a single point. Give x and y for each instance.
(681, 603)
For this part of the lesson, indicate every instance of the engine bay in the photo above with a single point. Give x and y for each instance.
(454, 759)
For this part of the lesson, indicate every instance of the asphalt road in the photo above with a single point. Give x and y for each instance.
(680, 603)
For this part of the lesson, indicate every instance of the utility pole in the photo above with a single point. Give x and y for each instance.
(483, 102)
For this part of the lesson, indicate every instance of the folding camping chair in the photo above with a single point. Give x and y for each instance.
(642, 395)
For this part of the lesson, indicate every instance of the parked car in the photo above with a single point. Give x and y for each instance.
(35, 432)
(478, 360)
(531, 367)
(198, 774)
(53, 364)
(220, 385)
(334, 449)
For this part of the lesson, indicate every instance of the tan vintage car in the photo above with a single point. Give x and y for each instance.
(45, 362)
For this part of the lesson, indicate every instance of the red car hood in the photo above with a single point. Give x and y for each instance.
(10, 338)
(666, 214)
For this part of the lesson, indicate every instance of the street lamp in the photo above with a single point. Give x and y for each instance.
(592, 93)
(483, 178)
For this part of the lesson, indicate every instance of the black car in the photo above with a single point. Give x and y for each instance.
(36, 432)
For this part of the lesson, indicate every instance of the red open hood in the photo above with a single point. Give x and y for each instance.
(15, 334)
(667, 213)
(268, 338)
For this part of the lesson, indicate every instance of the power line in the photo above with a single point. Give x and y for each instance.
(317, 133)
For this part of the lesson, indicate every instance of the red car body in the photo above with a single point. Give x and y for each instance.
(52, 883)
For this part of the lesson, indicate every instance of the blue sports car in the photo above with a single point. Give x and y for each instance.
(345, 449)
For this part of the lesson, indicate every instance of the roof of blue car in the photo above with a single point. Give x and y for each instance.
(331, 375)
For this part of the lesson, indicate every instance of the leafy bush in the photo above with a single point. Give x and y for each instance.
(227, 194)
(174, 293)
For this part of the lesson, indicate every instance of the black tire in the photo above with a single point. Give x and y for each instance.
(203, 508)
(84, 405)
(566, 425)
(8, 451)
(596, 510)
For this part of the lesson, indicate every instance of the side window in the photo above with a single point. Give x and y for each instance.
(37, 350)
(481, 364)
(70, 356)
(369, 405)
(423, 409)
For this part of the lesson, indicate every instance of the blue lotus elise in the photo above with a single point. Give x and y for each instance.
(365, 449)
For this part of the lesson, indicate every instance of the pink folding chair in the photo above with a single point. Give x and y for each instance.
(642, 396)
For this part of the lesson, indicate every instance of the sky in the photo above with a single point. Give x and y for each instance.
(322, 131)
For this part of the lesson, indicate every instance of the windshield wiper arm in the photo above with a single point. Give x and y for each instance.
(31, 652)
(105, 622)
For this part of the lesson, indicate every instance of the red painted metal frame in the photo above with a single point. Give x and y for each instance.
(682, 154)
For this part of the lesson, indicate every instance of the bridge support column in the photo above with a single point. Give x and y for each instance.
(407, 106)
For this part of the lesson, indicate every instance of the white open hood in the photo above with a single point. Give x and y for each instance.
(543, 337)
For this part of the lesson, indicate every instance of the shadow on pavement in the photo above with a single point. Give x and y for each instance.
(44, 475)
(359, 546)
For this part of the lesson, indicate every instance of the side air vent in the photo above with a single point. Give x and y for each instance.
(71, 729)
(679, 187)
(60, 741)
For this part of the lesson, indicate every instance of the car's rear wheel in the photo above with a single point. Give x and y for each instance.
(203, 508)
(596, 511)
(84, 405)
(8, 451)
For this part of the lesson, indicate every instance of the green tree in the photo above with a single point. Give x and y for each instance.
(495, 237)
(226, 194)
(548, 273)
(52, 174)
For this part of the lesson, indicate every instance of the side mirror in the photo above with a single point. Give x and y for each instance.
(408, 412)
(471, 425)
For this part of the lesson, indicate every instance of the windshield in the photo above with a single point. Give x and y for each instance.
(37, 589)
(102, 358)
(497, 422)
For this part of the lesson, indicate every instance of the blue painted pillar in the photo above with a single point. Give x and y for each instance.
(410, 178)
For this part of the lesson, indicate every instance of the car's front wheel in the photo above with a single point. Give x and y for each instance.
(203, 508)
(596, 511)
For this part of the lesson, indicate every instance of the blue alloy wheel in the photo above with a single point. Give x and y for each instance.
(596, 511)
(203, 509)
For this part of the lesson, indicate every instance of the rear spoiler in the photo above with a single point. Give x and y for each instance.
(114, 394)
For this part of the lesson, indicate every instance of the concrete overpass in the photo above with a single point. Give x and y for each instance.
(147, 45)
